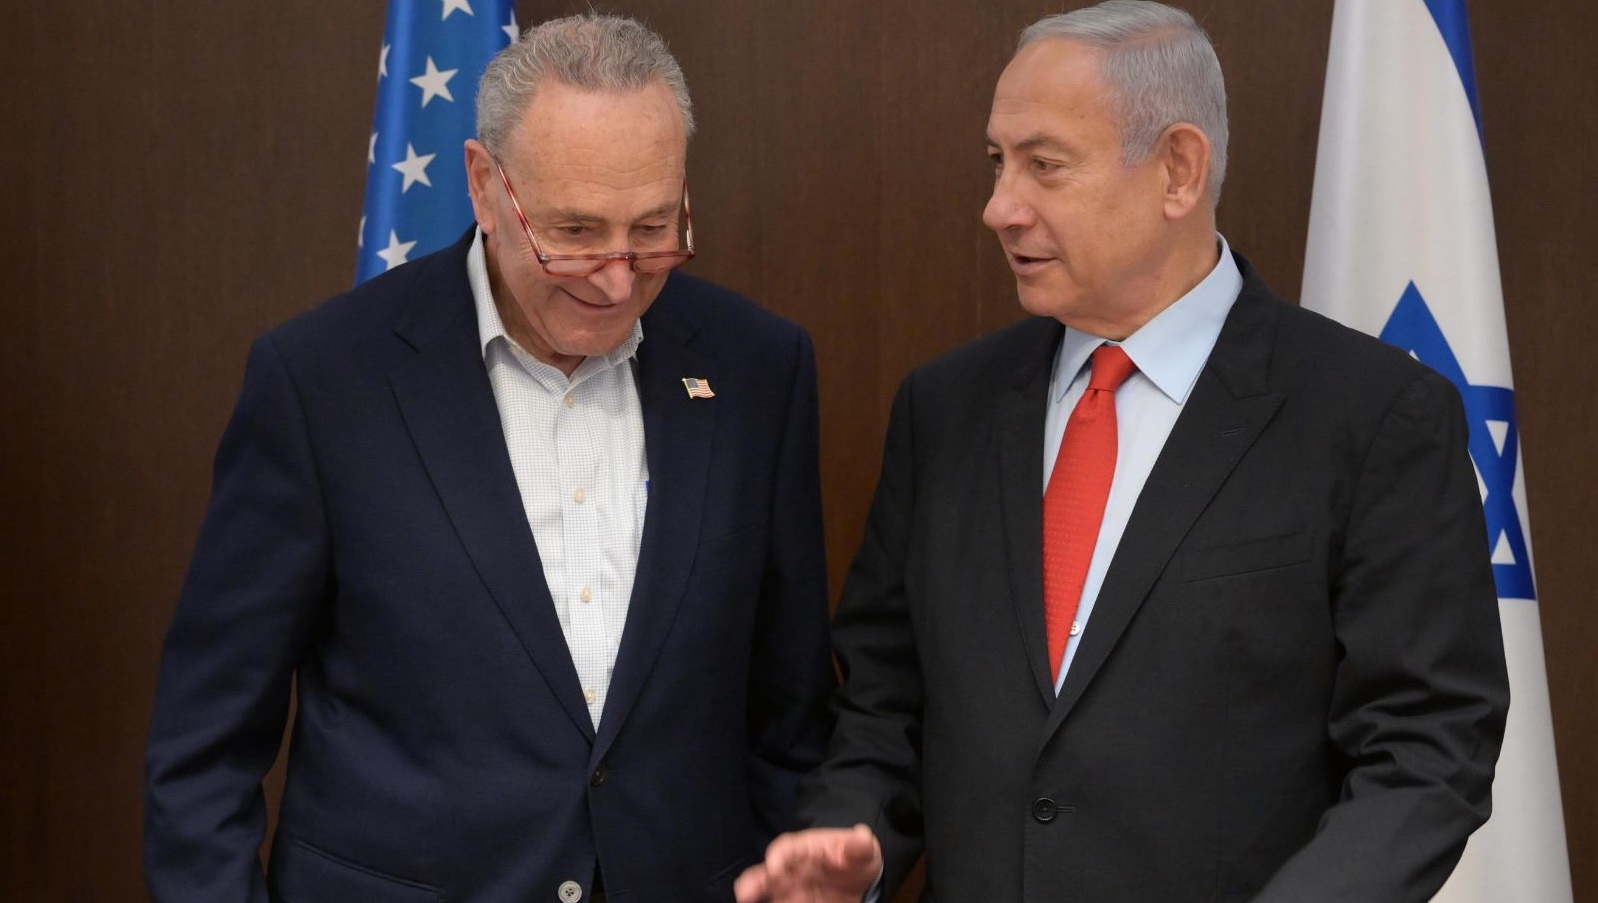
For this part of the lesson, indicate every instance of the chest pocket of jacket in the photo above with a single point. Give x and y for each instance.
(1247, 556)
(746, 545)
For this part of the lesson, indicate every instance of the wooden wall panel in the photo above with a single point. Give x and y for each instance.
(180, 177)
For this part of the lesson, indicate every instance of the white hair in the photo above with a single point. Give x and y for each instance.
(1159, 69)
(592, 52)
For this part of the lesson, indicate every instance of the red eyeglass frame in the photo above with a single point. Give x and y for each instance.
(599, 261)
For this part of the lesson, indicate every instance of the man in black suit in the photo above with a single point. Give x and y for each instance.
(1272, 672)
(533, 523)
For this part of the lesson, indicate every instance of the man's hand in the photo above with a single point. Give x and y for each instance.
(818, 865)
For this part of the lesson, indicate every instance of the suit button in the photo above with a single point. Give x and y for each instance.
(598, 778)
(570, 892)
(1044, 810)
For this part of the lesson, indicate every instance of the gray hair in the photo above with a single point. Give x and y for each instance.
(1159, 69)
(591, 52)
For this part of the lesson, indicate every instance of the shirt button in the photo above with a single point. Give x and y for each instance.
(1076, 628)
(589, 696)
(570, 892)
(587, 595)
(570, 400)
(1044, 810)
(578, 495)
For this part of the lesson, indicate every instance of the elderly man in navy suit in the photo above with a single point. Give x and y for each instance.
(534, 525)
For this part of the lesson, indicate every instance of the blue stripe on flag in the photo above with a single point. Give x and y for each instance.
(1450, 18)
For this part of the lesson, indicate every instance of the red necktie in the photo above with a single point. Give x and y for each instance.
(1073, 504)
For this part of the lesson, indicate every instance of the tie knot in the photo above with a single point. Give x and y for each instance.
(1111, 367)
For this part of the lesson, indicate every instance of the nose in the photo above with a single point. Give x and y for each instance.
(1006, 209)
(615, 279)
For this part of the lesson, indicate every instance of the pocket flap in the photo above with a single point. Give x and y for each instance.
(301, 873)
(1245, 556)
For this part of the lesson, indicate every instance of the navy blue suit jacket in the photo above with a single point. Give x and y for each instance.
(366, 538)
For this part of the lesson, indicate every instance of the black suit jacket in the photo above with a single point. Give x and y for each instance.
(1292, 687)
(366, 536)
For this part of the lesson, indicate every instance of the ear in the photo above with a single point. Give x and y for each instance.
(480, 180)
(1184, 152)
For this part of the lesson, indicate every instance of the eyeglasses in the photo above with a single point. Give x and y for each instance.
(569, 266)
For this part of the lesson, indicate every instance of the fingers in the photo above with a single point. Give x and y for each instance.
(807, 851)
(751, 886)
(859, 848)
(818, 865)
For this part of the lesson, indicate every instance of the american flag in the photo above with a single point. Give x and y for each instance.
(697, 388)
(433, 54)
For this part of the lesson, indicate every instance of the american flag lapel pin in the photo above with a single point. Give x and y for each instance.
(697, 388)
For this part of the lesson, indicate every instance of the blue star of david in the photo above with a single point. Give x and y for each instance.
(1413, 328)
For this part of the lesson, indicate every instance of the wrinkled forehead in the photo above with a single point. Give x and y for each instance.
(1052, 87)
(567, 132)
(1052, 69)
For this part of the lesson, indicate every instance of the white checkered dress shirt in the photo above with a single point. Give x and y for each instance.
(577, 447)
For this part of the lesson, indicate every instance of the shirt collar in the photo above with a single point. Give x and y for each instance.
(1170, 350)
(491, 327)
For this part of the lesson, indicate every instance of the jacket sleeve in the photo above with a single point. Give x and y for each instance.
(254, 592)
(791, 672)
(1421, 691)
(872, 773)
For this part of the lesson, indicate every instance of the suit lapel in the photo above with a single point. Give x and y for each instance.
(678, 434)
(1023, 406)
(448, 406)
(1228, 409)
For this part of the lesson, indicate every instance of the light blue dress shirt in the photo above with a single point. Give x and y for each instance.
(1169, 351)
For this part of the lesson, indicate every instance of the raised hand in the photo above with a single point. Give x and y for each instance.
(818, 865)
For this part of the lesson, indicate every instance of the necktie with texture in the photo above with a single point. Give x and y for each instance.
(1073, 503)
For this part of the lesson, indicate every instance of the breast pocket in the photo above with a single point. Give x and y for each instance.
(744, 546)
(1244, 556)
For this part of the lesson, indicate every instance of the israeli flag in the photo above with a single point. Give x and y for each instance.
(1401, 246)
(433, 54)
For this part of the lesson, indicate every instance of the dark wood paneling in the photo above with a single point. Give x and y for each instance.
(182, 177)
(1274, 56)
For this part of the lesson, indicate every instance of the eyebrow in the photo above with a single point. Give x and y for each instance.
(1034, 141)
(578, 216)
